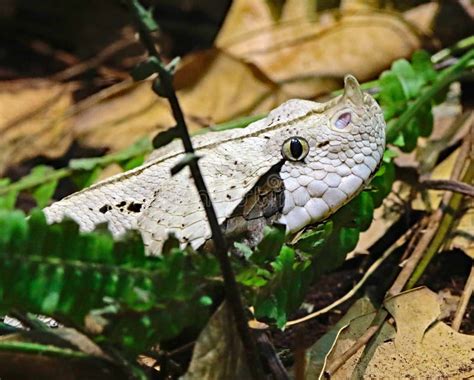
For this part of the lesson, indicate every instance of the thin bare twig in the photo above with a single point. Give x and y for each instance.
(359, 343)
(449, 185)
(94, 62)
(464, 301)
(427, 235)
(165, 87)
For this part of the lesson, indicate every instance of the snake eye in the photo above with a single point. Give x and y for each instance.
(343, 120)
(295, 149)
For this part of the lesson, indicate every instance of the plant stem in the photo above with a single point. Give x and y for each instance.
(449, 185)
(466, 43)
(445, 225)
(220, 245)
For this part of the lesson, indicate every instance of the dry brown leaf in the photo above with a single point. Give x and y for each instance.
(116, 121)
(422, 347)
(463, 236)
(317, 356)
(384, 217)
(31, 120)
(355, 5)
(212, 87)
(354, 366)
(423, 17)
(218, 353)
(311, 56)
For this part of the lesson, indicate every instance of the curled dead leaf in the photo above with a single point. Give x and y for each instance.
(310, 55)
(420, 347)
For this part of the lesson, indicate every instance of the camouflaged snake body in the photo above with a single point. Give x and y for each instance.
(305, 159)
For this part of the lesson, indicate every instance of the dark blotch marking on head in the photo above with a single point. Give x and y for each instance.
(105, 208)
(121, 204)
(134, 207)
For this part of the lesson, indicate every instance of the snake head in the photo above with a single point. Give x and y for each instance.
(331, 156)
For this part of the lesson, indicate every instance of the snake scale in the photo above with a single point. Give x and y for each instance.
(297, 166)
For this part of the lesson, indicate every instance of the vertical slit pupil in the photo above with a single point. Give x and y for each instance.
(296, 148)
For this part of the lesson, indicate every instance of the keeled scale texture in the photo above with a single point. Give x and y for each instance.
(334, 173)
(339, 163)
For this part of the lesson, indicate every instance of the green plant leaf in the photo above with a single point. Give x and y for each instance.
(8, 200)
(410, 81)
(270, 245)
(43, 193)
(253, 276)
(410, 135)
(423, 67)
(388, 156)
(141, 147)
(392, 96)
(85, 178)
(425, 120)
(57, 270)
(314, 238)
